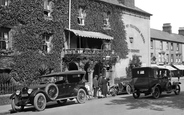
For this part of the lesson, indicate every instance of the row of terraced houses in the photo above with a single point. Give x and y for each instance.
(154, 47)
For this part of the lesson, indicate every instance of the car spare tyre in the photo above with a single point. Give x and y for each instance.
(52, 91)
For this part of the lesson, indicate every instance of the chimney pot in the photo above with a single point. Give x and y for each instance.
(167, 27)
(181, 31)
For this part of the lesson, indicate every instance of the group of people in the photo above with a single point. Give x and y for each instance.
(100, 84)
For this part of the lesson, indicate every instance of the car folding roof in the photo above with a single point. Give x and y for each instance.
(73, 72)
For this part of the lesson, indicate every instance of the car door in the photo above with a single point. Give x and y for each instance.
(62, 86)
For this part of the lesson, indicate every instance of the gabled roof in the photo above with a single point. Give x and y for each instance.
(165, 36)
(116, 2)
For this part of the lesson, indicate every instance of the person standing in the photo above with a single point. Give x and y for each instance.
(95, 86)
(104, 86)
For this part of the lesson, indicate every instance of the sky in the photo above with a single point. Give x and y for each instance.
(164, 11)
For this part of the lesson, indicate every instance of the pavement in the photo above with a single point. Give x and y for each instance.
(6, 109)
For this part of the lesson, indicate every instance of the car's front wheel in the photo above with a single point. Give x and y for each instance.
(136, 94)
(156, 93)
(40, 102)
(81, 96)
(128, 89)
(16, 108)
(177, 90)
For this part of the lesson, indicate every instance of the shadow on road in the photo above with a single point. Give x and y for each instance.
(49, 106)
(165, 100)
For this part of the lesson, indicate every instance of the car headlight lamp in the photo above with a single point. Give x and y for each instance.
(17, 92)
(29, 91)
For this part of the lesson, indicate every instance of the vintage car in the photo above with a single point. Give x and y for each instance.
(121, 87)
(154, 81)
(61, 87)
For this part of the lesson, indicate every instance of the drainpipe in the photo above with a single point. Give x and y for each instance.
(69, 23)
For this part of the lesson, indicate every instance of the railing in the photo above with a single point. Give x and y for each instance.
(10, 88)
(88, 51)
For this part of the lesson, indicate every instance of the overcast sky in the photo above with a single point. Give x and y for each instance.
(164, 11)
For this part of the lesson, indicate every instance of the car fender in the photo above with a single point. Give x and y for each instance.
(153, 88)
(13, 96)
(34, 93)
(82, 87)
(176, 83)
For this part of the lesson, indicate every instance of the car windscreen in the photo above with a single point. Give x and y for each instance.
(140, 73)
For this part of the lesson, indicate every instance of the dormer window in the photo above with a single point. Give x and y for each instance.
(47, 44)
(106, 21)
(82, 16)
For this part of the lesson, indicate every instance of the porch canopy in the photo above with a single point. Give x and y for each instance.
(90, 34)
(164, 66)
(180, 67)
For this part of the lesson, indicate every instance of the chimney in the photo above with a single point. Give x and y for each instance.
(167, 27)
(181, 31)
(129, 3)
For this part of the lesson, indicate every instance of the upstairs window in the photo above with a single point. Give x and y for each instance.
(161, 45)
(106, 21)
(82, 16)
(151, 44)
(4, 2)
(47, 44)
(48, 8)
(177, 47)
(172, 48)
(167, 46)
(3, 40)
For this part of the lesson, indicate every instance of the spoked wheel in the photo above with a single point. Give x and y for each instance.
(81, 96)
(156, 93)
(61, 101)
(136, 94)
(14, 106)
(128, 89)
(40, 102)
(113, 91)
(177, 90)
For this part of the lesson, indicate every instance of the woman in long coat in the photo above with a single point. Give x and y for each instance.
(104, 86)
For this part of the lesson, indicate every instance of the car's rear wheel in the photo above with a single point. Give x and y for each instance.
(16, 108)
(81, 96)
(40, 102)
(136, 94)
(62, 101)
(177, 90)
(156, 93)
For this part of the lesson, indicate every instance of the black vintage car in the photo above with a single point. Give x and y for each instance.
(59, 87)
(154, 81)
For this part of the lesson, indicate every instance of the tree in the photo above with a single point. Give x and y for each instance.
(134, 62)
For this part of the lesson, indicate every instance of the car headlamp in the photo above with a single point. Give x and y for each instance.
(29, 91)
(87, 87)
(18, 92)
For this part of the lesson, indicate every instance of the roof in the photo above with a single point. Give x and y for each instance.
(180, 67)
(72, 72)
(161, 35)
(116, 2)
(90, 34)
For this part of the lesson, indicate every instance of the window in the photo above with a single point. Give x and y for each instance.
(167, 46)
(131, 39)
(3, 40)
(82, 16)
(167, 57)
(161, 45)
(4, 2)
(177, 47)
(151, 44)
(106, 16)
(172, 48)
(172, 58)
(48, 8)
(47, 45)
(159, 57)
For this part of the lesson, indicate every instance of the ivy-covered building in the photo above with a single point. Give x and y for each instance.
(98, 36)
